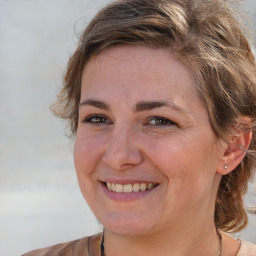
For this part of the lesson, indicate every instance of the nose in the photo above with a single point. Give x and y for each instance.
(122, 151)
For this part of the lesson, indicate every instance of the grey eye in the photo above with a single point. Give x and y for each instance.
(160, 121)
(97, 119)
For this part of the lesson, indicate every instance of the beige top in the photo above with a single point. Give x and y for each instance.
(247, 249)
(90, 246)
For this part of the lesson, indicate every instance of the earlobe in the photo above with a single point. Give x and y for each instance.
(234, 153)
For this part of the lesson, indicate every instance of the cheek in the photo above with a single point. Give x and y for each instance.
(168, 156)
(85, 159)
(86, 155)
(188, 168)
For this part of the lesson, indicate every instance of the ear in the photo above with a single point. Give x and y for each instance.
(234, 152)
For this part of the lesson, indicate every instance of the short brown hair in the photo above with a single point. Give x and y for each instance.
(208, 38)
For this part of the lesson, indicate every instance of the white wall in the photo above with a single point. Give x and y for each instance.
(40, 202)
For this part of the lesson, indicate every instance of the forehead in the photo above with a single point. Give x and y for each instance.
(139, 73)
(144, 63)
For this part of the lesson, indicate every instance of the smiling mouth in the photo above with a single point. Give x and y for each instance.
(129, 188)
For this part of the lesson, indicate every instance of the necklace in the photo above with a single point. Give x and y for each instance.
(102, 251)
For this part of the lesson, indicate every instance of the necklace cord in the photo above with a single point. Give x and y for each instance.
(102, 250)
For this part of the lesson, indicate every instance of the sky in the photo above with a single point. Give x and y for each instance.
(40, 201)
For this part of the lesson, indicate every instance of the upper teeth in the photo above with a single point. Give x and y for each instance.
(128, 188)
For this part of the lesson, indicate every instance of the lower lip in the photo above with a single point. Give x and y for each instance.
(126, 196)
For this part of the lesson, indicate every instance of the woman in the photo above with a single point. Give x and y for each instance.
(160, 95)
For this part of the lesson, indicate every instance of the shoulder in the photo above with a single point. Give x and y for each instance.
(73, 248)
(247, 249)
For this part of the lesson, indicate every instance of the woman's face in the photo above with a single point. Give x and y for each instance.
(144, 133)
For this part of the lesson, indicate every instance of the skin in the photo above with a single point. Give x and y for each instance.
(123, 137)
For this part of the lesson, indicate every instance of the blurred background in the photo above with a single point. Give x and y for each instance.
(40, 202)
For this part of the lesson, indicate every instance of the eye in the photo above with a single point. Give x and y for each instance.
(97, 119)
(157, 120)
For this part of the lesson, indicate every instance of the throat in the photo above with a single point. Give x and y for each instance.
(137, 248)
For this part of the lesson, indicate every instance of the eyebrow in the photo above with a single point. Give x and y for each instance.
(149, 105)
(140, 106)
(95, 103)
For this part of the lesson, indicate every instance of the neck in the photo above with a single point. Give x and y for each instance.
(183, 242)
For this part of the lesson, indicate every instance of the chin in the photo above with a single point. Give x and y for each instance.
(127, 230)
(128, 226)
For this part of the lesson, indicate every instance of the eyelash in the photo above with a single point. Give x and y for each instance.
(162, 121)
(101, 120)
